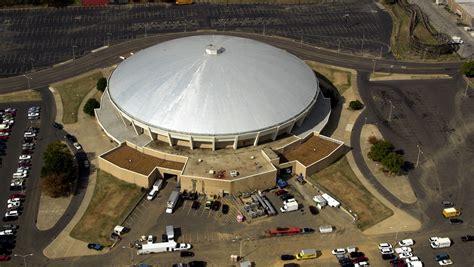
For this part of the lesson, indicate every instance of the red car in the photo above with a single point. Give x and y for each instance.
(17, 195)
(4, 258)
(281, 192)
(360, 259)
(4, 137)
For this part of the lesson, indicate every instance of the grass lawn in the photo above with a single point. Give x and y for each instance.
(112, 200)
(339, 180)
(21, 96)
(339, 78)
(73, 92)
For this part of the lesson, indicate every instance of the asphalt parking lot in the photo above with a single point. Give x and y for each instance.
(61, 34)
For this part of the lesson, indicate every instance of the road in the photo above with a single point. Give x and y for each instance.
(110, 56)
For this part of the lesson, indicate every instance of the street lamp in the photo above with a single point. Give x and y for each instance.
(391, 109)
(418, 157)
(240, 247)
(28, 79)
(467, 86)
(32, 67)
(373, 66)
(302, 32)
(74, 52)
(24, 257)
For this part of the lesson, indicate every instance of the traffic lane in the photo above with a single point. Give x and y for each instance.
(110, 56)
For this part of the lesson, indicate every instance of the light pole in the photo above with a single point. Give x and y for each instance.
(23, 256)
(28, 79)
(339, 46)
(467, 86)
(131, 252)
(373, 66)
(391, 108)
(32, 67)
(263, 28)
(418, 157)
(396, 235)
(146, 26)
(74, 52)
(108, 38)
(302, 32)
(362, 45)
(240, 247)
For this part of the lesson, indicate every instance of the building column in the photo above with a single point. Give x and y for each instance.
(236, 142)
(275, 134)
(153, 136)
(301, 120)
(255, 142)
(291, 127)
(170, 140)
(213, 143)
(123, 120)
(191, 144)
(136, 128)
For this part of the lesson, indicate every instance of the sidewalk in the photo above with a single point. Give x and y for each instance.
(343, 132)
(94, 143)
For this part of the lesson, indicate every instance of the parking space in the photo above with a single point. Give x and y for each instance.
(61, 34)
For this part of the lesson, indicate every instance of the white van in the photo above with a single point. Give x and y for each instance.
(152, 194)
(170, 232)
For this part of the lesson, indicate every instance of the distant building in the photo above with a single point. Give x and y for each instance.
(464, 9)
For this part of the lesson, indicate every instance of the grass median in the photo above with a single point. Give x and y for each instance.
(112, 201)
(340, 181)
(339, 78)
(21, 96)
(73, 92)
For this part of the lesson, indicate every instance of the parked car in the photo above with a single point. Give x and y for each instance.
(95, 246)
(286, 196)
(406, 242)
(4, 258)
(307, 230)
(447, 204)
(467, 238)
(388, 256)
(287, 257)
(216, 205)
(164, 238)
(225, 208)
(445, 262)
(360, 259)
(356, 254)
(195, 205)
(412, 259)
(11, 215)
(77, 145)
(385, 245)
(338, 251)
(441, 256)
(313, 210)
(197, 264)
(17, 195)
(405, 255)
(403, 250)
(6, 232)
(386, 250)
(86, 164)
(70, 137)
(10, 226)
(281, 192)
(455, 221)
(58, 126)
(186, 254)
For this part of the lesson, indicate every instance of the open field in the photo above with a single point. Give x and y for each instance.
(340, 181)
(21, 96)
(112, 200)
(73, 92)
(339, 78)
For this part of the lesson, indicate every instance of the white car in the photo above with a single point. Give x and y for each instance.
(433, 239)
(412, 259)
(21, 170)
(385, 245)
(13, 200)
(11, 213)
(182, 246)
(77, 145)
(405, 255)
(339, 251)
(13, 205)
(406, 243)
(386, 250)
(403, 249)
(362, 263)
(6, 232)
(445, 262)
(29, 134)
(24, 157)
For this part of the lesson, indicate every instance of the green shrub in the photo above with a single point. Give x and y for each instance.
(59, 172)
(468, 68)
(356, 105)
(101, 84)
(90, 105)
(393, 163)
(379, 150)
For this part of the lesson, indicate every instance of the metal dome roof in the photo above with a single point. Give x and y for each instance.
(213, 85)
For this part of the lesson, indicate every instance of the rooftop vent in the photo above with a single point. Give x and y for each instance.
(214, 50)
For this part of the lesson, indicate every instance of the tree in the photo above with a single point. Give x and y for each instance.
(468, 68)
(356, 105)
(90, 105)
(101, 84)
(56, 185)
(379, 150)
(59, 172)
(393, 162)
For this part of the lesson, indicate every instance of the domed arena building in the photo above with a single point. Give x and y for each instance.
(211, 95)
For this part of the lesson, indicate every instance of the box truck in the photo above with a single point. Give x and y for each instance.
(290, 205)
(332, 202)
(451, 212)
(154, 190)
(307, 254)
(172, 200)
(441, 242)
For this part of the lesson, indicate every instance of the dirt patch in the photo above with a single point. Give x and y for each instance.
(131, 159)
(383, 76)
(73, 92)
(21, 96)
(112, 200)
(340, 181)
(311, 151)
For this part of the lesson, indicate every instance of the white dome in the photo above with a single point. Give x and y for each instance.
(213, 85)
